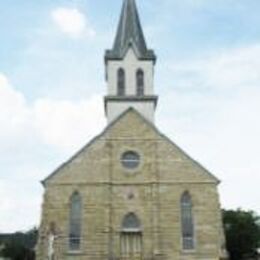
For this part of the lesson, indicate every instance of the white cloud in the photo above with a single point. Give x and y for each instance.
(19, 199)
(239, 68)
(72, 22)
(3, 80)
(14, 114)
(213, 114)
(26, 129)
(66, 124)
(227, 70)
(10, 100)
(58, 123)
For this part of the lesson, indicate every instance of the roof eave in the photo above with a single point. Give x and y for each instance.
(110, 55)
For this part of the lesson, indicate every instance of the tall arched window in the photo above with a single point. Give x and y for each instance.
(121, 82)
(187, 222)
(140, 82)
(131, 237)
(75, 222)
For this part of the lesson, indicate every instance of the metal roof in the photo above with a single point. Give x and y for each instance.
(130, 34)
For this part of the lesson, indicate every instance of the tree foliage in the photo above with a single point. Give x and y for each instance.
(21, 246)
(242, 230)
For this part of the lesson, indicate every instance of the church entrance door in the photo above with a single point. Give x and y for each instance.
(131, 245)
(131, 238)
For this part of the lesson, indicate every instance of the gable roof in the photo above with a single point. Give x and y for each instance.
(175, 145)
(152, 126)
(87, 145)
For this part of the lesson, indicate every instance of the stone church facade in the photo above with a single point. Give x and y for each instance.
(131, 193)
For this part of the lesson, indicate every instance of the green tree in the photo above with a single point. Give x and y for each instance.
(21, 246)
(242, 230)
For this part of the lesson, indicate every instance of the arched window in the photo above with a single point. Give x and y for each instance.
(140, 82)
(131, 237)
(187, 222)
(131, 222)
(121, 82)
(75, 222)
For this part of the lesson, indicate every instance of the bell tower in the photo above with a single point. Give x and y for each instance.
(130, 69)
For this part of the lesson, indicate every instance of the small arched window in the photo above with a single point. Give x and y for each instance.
(131, 222)
(121, 82)
(75, 222)
(187, 222)
(140, 82)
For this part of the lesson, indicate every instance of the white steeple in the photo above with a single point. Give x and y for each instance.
(130, 69)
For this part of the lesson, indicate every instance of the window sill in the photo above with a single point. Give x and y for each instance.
(74, 252)
(188, 251)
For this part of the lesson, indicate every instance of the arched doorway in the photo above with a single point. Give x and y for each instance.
(131, 238)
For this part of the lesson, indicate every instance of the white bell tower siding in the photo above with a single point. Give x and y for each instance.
(130, 69)
(130, 64)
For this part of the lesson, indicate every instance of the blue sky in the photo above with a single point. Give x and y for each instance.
(52, 82)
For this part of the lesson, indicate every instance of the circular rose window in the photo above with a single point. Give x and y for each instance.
(130, 159)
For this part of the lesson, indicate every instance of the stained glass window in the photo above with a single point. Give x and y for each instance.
(187, 222)
(130, 159)
(75, 222)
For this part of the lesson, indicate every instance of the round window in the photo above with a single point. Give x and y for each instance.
(130, 159)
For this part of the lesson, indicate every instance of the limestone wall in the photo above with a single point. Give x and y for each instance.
(152, 191)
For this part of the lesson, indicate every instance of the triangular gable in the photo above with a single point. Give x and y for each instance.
(167, 139)
(151, 126)
(87, 145)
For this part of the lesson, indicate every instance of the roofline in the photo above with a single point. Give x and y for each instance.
(85, 146)
(130, 32)
(43, 182)
(180, 149)
(110, 56)
(108, 127)
(150, 98)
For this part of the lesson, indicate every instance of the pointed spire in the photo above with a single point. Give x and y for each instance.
(130, 33)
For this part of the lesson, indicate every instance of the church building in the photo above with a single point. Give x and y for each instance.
(131, 193)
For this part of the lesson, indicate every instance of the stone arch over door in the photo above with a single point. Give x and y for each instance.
(131, 238)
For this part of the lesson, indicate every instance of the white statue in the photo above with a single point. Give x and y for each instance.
(51, 240)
